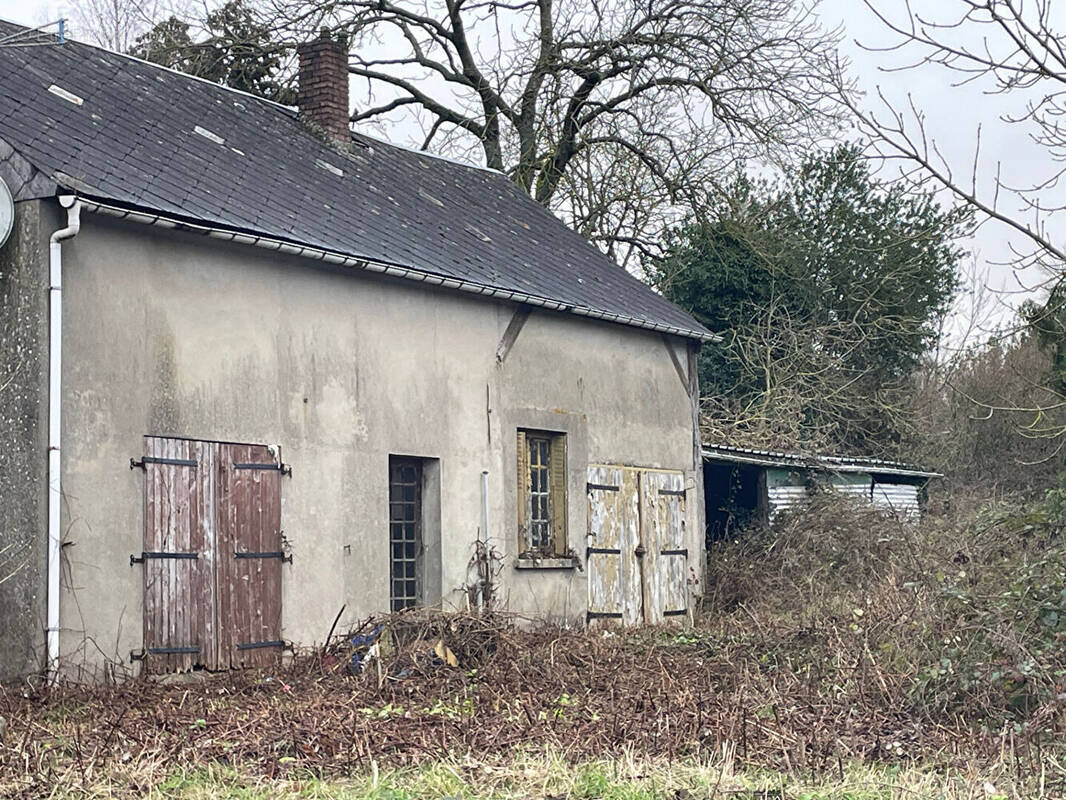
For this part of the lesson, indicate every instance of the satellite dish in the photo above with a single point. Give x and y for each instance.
(7, 212)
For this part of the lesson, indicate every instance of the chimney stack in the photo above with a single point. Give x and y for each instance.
(322, 94)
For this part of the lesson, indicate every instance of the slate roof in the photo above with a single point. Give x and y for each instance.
(148, 138)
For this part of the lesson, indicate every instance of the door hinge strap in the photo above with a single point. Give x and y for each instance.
(603, 615)
(258, 645)
(673, 492)
(272, 554)
(145, 556)
(284, 469)
(674, 553)
(174, 462)
(601, 487)
(677, 612)
(603, 551)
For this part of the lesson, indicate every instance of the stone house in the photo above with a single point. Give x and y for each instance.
(256, 369)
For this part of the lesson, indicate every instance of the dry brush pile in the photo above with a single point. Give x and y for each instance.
(817, 650)
(960, 618)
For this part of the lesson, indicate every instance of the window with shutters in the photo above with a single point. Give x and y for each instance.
(541, 494)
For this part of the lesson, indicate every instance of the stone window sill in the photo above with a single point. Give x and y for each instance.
(560, 562)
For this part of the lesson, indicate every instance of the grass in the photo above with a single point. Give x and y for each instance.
(550, 776)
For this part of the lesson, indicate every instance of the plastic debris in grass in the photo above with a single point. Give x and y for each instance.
(364, 649)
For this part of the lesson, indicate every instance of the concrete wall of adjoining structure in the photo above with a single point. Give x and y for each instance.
(182, 335)
(23, 442)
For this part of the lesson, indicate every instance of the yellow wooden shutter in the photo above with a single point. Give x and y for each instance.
(557, 479)
(523, 490)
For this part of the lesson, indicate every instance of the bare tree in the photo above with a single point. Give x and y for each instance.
(1015, 48)
(616, 114)
(116, 24)
(811, 395)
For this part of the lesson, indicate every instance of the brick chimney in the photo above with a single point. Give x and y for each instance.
(322, 94)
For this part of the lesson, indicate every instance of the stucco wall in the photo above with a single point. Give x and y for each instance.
(176, 334)
(23, 443)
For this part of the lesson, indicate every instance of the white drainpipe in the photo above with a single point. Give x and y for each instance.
(55, 407)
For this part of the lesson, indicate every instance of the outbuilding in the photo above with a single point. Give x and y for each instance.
(744, 486)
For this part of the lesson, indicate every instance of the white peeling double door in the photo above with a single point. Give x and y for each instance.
(637, 555)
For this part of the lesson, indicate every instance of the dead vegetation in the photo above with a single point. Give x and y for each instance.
(839, 638)
(961, 618)
(767, 696)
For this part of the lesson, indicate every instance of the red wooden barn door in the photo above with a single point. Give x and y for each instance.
(249, 556)
(178, 556)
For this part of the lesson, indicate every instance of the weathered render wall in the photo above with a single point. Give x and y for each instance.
(23, 442)
(178, 334)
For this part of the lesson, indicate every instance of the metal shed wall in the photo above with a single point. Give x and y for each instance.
(785, 490)
(899, 498)
(789, 489)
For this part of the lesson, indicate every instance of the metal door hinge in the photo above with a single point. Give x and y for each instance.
(272, 554)
(174, 462)
(142, 654)
(135, 559)
(591, 615)
(260, 645)
(284, 469)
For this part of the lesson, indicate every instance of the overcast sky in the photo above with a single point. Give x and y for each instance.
(953, 114)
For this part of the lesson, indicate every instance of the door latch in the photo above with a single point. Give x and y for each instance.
(640, 551)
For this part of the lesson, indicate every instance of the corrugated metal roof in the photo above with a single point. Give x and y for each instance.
(771, 458)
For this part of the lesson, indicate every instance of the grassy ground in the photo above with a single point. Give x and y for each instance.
(550, 776)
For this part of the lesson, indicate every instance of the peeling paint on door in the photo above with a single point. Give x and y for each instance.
(212, 555)
(666, 557)
(637, 557)
(614, 534)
